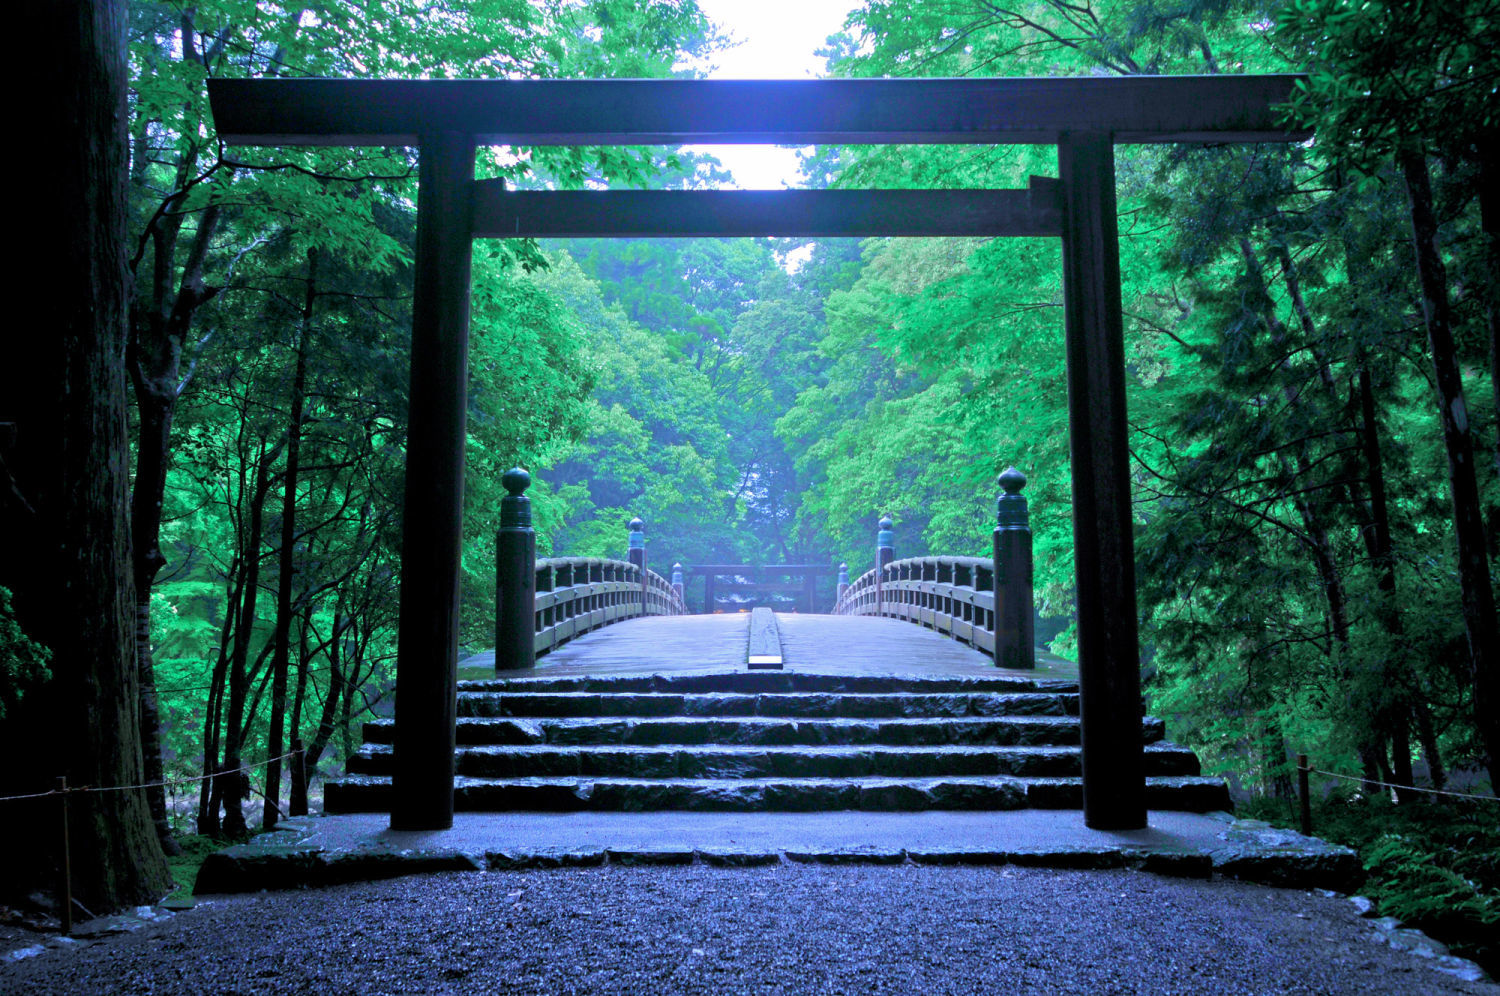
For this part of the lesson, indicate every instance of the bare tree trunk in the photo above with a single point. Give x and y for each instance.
(232, 784)
(154, 360)
(297, 796)
(279, 662)
(208, 809)
(1427, 737)
(1468, 524)
(1400, 683)
(1489, 223)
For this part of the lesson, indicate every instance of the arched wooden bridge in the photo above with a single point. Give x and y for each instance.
(920, 689)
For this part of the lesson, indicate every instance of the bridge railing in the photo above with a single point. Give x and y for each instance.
(542, 604)
(575, 595)
(985, 602)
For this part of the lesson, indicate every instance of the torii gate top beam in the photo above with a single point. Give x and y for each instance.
(1007, 110)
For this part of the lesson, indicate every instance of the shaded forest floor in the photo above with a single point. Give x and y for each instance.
(1432, 865)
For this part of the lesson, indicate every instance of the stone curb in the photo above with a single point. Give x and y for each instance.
(1248, 850)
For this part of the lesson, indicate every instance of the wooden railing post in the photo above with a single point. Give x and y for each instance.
(1015, 628)
(677, 579)
(885, 552)
(515, 577)
(636, 554)
(843, 583)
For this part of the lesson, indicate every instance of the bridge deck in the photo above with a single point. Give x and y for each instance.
(821, 644)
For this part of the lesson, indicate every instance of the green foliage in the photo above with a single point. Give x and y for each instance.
(1388, 73)
(194, 849)
(1433, 865)
(23, 662)
(253, 263)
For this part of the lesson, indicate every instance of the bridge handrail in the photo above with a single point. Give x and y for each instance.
(984, 602)
(576, 595)
(953, 595)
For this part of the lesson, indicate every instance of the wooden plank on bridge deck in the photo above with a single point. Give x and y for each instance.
(817, 644)
(765, 641)
(703, 644)
(874, 645)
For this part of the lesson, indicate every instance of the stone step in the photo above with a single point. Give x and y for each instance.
(756, 682)
(371, 793)
(830, 705)
(720, 762)
(766, 731)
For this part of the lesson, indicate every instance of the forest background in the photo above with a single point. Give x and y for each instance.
(1310, 330)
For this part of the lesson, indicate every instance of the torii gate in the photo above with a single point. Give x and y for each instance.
(447, 119)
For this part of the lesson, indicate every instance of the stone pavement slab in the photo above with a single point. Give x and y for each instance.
(324, 850)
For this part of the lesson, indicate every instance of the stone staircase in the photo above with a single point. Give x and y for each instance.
(770, 741)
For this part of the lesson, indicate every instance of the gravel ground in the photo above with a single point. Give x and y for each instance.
(787, 928)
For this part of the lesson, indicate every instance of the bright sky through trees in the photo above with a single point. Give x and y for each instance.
(778, 39)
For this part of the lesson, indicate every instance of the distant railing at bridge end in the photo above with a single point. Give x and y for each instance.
(986, 603)
(542, 604)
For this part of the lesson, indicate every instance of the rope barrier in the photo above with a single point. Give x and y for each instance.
(1406, 788)
(83, 789)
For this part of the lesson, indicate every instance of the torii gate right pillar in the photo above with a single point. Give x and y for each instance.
(1114, 790)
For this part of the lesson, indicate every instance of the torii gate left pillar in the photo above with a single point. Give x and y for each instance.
(432, 526)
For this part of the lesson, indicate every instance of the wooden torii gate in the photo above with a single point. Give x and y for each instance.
(447, 119)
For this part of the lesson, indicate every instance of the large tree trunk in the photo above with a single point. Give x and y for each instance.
(65, 528)
(281, 659)
(1478, 598)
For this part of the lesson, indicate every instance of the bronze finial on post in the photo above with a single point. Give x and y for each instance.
(885, 552)
(677, 579)
(515, 577)
(1015, 628)
(637, 546)
(843, 585)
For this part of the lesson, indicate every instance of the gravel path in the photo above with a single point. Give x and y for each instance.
(782, 929)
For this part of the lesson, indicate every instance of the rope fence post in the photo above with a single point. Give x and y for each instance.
(67, 861)
(1304, 795)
